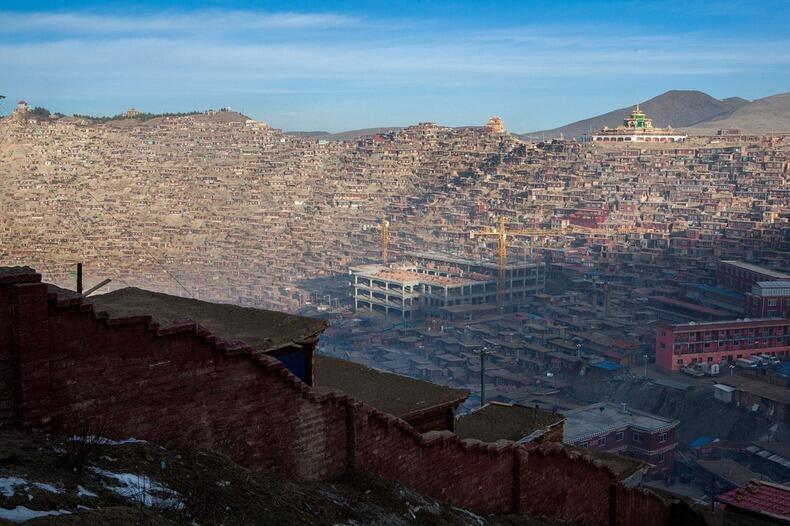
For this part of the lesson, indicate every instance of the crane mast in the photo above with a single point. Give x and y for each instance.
(502, 250)
(501, 235)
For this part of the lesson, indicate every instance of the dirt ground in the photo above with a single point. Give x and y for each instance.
(97, 482)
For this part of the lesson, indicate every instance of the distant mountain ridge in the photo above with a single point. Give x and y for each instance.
(766, 115)
(690, 110)
(678, 108)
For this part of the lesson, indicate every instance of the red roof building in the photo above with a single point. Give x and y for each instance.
(757, 500)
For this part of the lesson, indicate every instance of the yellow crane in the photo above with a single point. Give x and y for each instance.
(501, 235)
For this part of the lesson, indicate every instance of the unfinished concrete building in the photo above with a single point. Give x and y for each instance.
(441, 286)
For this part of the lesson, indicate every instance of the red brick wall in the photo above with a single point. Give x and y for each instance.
(634, 506)
(6, 363)
(439, 464)
(583, 486)
(7, 338)
(183, 387)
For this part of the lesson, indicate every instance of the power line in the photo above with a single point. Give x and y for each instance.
(4, 134)
(131, 235)
(77, 223)
(85, 239)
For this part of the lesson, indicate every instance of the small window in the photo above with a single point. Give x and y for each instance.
(637, 436)
(619, 436)
(661, 458)
(662, 437)
(602, 441)
(585, 445)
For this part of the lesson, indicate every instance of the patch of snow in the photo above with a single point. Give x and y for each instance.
(47, 487)
(7, 485)
(334, 499)
(102, 441)
(433, 508)
(82, 492)
(142, 489)
(22, 514)
(477, 518)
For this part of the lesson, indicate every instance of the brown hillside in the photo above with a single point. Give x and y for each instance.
(766, 115)
(679, 108)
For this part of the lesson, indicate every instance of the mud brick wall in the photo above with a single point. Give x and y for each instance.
(64, 366)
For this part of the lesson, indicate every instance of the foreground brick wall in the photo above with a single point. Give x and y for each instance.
(465, 473)
(7, 327)
(183, 387)
(79, 371)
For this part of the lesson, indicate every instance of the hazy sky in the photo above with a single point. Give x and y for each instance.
(332, 65)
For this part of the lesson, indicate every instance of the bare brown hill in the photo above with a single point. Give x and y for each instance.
(766, 115)
(679, 108)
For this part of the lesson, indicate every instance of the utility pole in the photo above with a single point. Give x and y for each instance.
(79, 278)
(483, 352)
(90, 290)
(645, 357)
(551, 375)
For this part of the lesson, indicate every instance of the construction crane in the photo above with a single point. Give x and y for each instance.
(385, 239)
(501, 236)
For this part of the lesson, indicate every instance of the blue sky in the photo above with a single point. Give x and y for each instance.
(339, 65)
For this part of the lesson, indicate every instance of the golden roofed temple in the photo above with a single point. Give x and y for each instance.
(637, 127)
(495, 125)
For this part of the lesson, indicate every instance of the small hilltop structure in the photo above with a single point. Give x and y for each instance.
(22, 110)
(495, 125)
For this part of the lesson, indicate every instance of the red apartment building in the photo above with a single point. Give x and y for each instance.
(740, 276)
(768, 299)
(723, 341)
(625, 431)
(589, 217)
